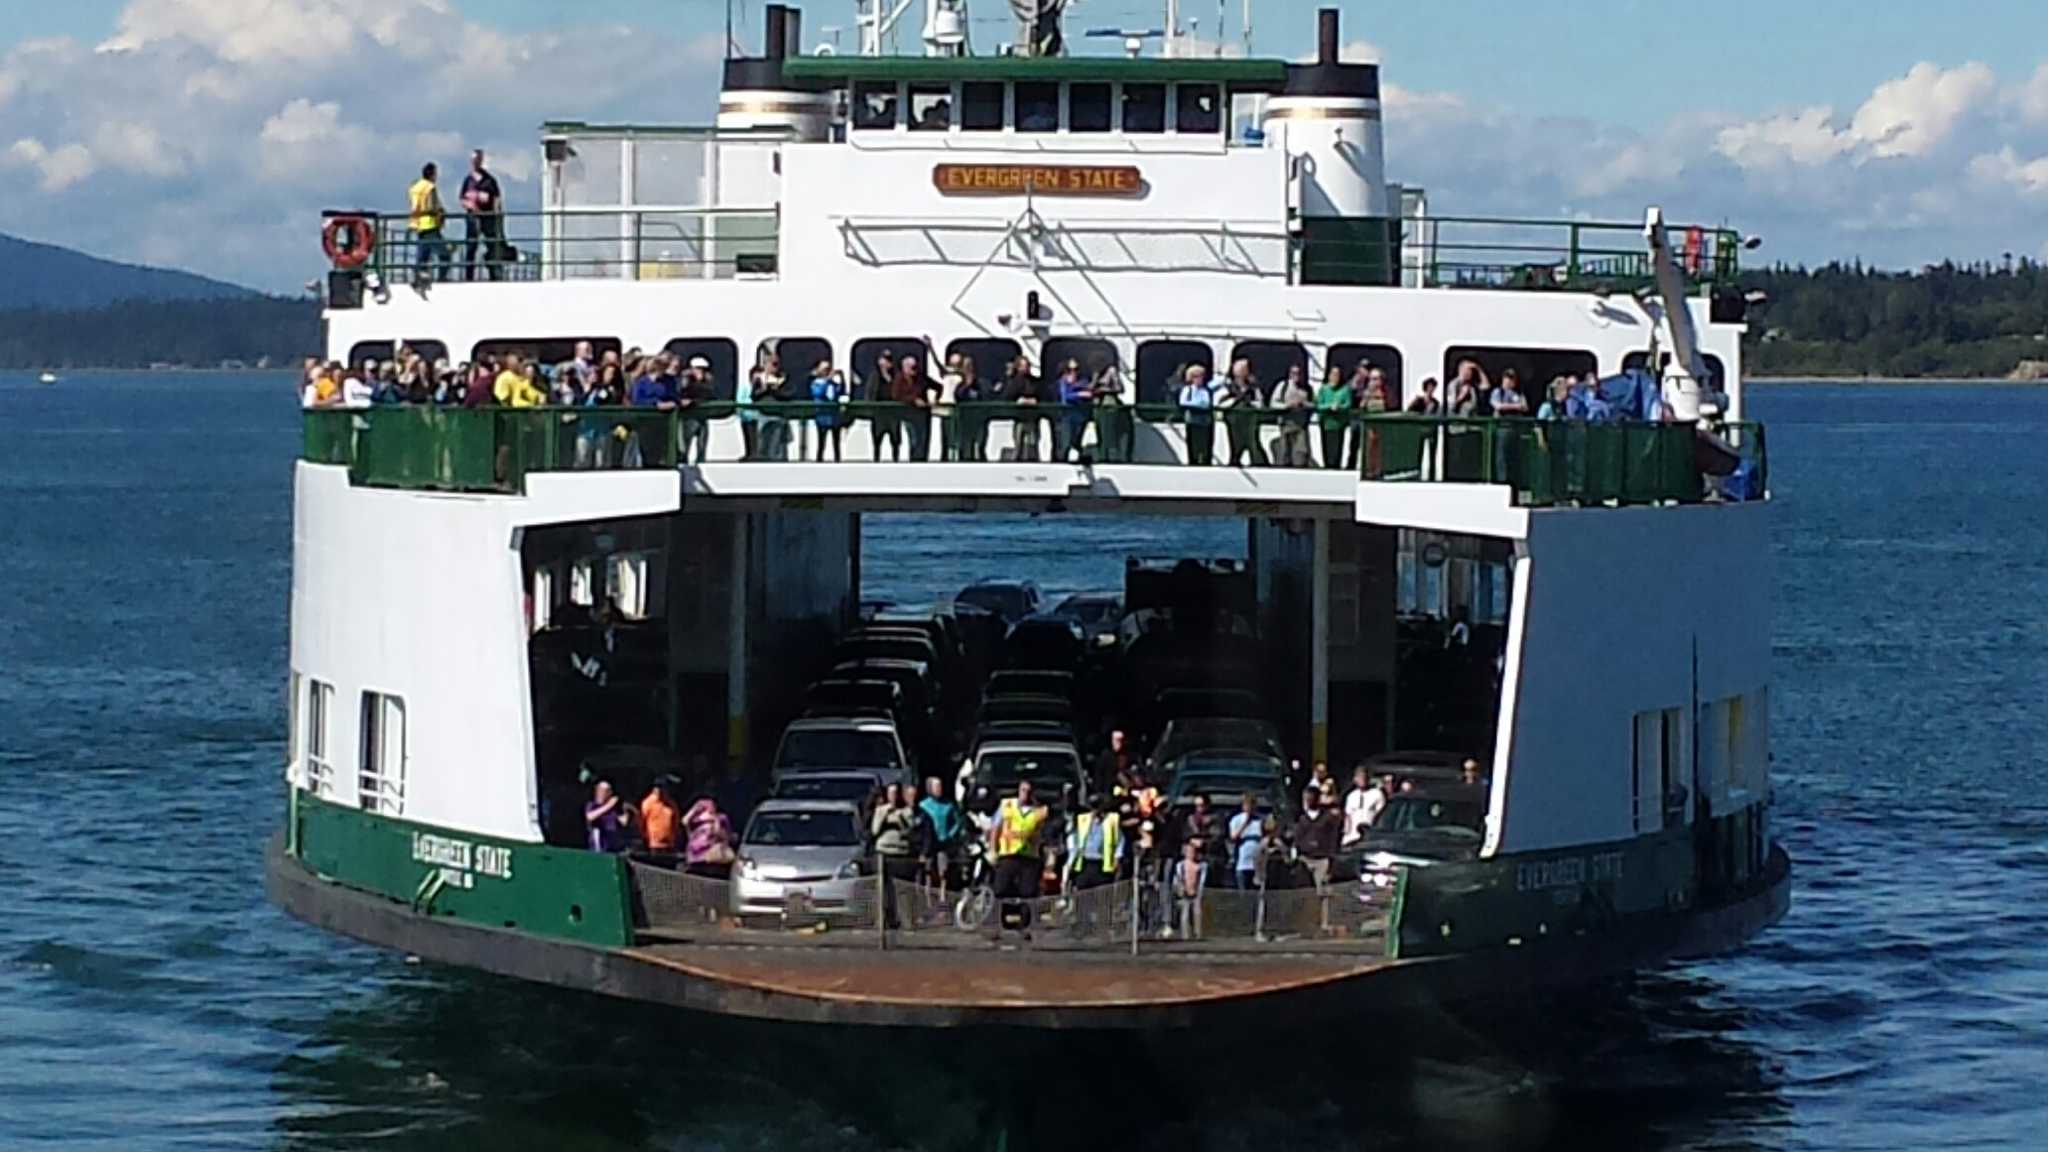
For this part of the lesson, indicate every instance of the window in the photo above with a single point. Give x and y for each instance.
(867, 352)
(380, 781)
(381, 350)
(981, 106)
(1270, 360)
(1144, 108)
(874, 105)
(319, 769)
(723, 354)
(581, 590)
(292, 743)
(1038, 107)
(931, 107)
(1198, 108)
(1161, 364)
(799, 355)
(629, 584)
(549, 350)
(543, 599)
(1094, 355)
(1536, 367)
(1088, 108)
(1384, 357)
(992, 356)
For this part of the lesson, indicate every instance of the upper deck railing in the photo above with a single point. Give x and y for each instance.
(1544, 463)
(676, 242)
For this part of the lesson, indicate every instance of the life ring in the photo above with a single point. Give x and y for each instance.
(1695, 250)
(355, 251)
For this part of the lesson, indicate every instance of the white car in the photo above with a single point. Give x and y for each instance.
(801, 860)
(842, 743)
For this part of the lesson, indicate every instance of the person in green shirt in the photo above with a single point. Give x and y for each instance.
(1333, 414)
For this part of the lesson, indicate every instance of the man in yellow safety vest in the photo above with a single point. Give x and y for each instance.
(424, 217)
(1014, 838)
(1096, 844)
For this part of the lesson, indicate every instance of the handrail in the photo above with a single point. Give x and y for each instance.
(1544, 463)
(631, 242)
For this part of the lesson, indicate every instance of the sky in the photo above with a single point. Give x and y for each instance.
(209, 134)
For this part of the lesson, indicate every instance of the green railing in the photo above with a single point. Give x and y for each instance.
(1544, 462)
(573, 244)
(1488, 252)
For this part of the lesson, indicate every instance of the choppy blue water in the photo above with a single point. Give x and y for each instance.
(149, 998)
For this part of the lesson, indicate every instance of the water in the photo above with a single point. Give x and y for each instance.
(150, 998)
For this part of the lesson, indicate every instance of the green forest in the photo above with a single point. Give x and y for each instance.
(1946, 320)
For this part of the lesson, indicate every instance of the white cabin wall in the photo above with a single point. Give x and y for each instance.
(1615, 601)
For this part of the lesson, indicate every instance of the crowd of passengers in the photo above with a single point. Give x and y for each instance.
(803, 414)
(1047, 846)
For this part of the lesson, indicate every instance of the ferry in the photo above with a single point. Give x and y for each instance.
(1548, 627)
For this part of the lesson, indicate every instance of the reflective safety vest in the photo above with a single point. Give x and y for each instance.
(425, 202)
(1017, 829)
(1112, 832)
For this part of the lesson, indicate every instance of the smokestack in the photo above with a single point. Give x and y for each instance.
(777, 33)
(1326, 36)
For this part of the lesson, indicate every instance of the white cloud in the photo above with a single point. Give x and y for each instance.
(2005, 168)
(56, 168)
(1912, 114)
(1805, 137)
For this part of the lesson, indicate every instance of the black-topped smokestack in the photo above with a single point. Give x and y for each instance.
(1326, 36)
(777, 34)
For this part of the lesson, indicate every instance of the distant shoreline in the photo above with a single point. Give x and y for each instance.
(1887, 380)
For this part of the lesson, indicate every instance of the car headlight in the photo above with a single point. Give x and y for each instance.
(850, 870)
(748, 870)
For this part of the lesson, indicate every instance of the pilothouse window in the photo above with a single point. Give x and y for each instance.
(1088, 108)
(1198, 108)
(1144, 108)
(874, 105)
(1038, 107)
(981, 106)
(931, 107)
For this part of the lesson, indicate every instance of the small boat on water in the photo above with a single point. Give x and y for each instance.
(47, 378)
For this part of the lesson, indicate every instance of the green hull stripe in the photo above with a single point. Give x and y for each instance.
(574, 895)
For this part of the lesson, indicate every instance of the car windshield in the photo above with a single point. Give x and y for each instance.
(1430, 813)
(838, 748)
(1183, 735)
(1046, 770)
(824, 788)
(804, 829)
(1229, 783)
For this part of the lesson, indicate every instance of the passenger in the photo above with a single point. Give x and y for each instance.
(605, 819)
(744, 390)
(424, 219)
(1376, 400)
(709, 850)
(1013, 836)
(1247, 841)
(894, 826)
(828, 390)
(887, 419)
(1318, 833)
(1593, 403)
(1115, 762)
(771, 390)
(659, 819)
(1199, 828)
(1334, 405)
(970, 423)
(948, 828)
(1468, 387)
(1076, 398)
(917, 390)
(1508, 400)
(1558, 403)
(1197, 405)
(1468, 775)
(356, 392)
(694, 396)
(1426, 402)
(1241, 400)
(1020, 388)
(1362, 805)
(1113, 426)
(655, 386)
(1318, 782)
(1293, 400)
(483, 217)
(1189, 876)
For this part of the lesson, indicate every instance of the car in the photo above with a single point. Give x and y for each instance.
(1002, 708)
(887, 645)
(830, 744)
(1029, 682)
(1034, 730)
(1419, 829)
(1423, 767)
(1208, 703)
(1050, 765)
(801, 859)
(839, 696)
(1044, 642)
(853, 786)
(1227, 777)
(1009, 600)
(1215, 733)
(1097, 613)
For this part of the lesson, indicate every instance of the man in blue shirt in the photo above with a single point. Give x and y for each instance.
(1594, 407)
(656, 388)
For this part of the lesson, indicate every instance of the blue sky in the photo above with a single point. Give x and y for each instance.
(206, 133)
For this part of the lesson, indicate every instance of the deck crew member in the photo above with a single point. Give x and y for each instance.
(424, 219)
(1014, 837)
(1095, 844)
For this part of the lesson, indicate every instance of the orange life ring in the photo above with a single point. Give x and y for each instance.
(355, 252)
